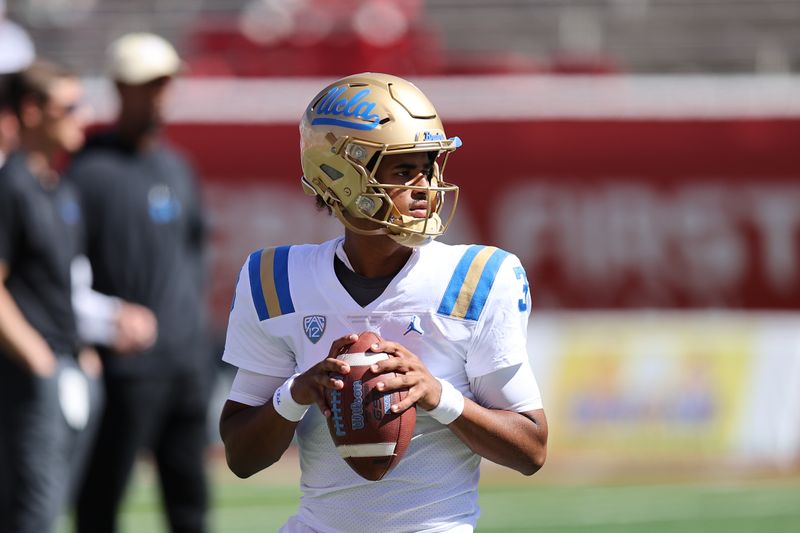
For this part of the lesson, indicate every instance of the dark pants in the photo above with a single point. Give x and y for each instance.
(41, 455)
(166, 416)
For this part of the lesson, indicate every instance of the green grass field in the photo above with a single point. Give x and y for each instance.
(515, 504)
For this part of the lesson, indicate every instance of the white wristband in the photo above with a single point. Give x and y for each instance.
(285, 405)
(451, 404)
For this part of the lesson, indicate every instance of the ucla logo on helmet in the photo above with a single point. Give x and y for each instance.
(356, 111)
(425, 136)
(314, 327)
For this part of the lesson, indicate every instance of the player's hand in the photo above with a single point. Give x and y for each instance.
(136, 328)
(423, 389)
(314, 385)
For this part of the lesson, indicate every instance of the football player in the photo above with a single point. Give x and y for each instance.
(454, 320)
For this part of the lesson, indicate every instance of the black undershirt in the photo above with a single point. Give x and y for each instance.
(363, 290)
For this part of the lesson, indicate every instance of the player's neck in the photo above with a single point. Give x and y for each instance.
(375, 256)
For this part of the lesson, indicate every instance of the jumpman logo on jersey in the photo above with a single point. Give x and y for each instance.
(415, 326)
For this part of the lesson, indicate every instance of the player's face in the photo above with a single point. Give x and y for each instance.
(408, 169)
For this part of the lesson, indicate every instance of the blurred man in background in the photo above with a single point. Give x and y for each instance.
(16, 53)
(45, 393)
(146, 235)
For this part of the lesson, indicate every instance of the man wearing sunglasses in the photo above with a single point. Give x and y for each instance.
(46, 383)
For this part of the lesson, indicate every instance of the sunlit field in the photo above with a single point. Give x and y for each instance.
(516, 504)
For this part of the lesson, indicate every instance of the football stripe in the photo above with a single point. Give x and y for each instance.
(362, 358)
(376, 449)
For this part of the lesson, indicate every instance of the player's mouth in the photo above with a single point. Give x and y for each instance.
(419, 210)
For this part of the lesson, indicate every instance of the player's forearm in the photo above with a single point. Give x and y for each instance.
(515, 440)
(254, 437)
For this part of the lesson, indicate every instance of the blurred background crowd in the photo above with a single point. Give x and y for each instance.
(328, 37)
(639, 156)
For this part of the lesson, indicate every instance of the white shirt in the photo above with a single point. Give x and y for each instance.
(462, 309)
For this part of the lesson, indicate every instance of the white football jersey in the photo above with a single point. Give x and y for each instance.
(462, 309)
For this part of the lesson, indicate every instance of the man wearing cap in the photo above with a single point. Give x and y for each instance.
(145, 242)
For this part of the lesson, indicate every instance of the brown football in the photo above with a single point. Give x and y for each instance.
(368, 436)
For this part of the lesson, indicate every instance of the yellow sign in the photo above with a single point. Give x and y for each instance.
(650, 388)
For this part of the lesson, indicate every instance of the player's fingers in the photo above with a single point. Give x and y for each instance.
(392, 348)
(335, 382)
(327, 380)
(323, 407)
(402, 405)
(400, 381)
(334, 365)
(392, 364)
(340, 344)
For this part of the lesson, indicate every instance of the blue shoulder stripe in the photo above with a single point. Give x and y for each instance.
(281, 277)
(457, 280)
(269, 282)
(235, 285)
(254, 269)
(471, 282)
(481, 292)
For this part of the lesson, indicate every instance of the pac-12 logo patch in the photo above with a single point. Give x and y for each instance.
(314, 327)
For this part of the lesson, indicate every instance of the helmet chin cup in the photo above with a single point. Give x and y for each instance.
(416, 232)
(412, 240)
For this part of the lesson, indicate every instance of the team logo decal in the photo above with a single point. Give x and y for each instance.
(355, 112)
(431, 136)
(314, 327)
(163, 206)
(414, 326)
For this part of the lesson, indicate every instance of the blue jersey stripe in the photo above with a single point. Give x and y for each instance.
(481, 292)
(457, 280)
(235, 286)
(281, 276)
(254, 269)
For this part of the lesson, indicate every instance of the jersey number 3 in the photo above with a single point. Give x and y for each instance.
(523, 302)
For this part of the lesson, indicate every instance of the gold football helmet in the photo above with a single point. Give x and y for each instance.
(348, 128)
